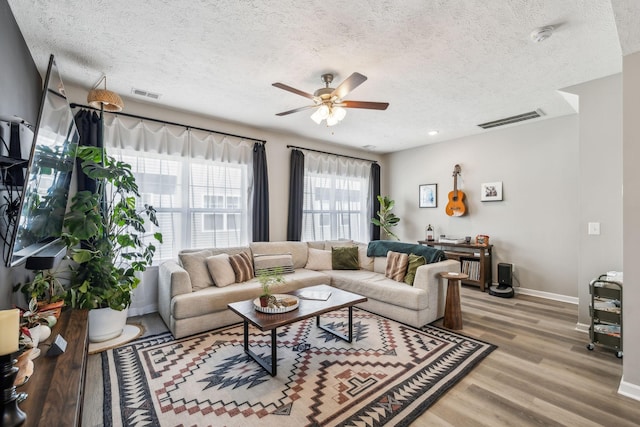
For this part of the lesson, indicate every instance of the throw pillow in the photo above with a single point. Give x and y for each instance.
(344, 258)
(242, 267)
(195, 265)
(270, 263)
(366, 262)
(415, 261)
(221, 270)
(318, 260)
(396, 265)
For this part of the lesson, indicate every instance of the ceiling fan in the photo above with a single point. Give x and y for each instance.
(329, 102)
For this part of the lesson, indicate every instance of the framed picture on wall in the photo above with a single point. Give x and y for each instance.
(428, 195)
(491, 192)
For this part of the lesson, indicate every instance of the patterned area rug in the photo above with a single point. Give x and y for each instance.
(388, 375)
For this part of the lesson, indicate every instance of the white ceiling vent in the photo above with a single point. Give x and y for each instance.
(145, 94)
(513, 119)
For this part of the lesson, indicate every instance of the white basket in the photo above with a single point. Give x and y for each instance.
(276, 310)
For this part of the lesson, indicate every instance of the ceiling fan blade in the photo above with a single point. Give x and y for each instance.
(293, 90)
(352, 82)
(284, 113)
(365, 104)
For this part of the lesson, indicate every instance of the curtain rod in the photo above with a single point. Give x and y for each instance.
(332, 154)
(135, 116)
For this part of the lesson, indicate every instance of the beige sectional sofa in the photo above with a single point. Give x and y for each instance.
(190, 301)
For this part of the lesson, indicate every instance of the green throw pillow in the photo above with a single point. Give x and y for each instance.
(415, 261)
(345, 258)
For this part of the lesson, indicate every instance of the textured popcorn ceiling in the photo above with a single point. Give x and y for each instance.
(445, 65)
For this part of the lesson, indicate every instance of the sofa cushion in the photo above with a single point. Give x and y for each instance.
(270, 263)
(242, 266)
(344, 258)
(298, 250)
(220, 269)
(195, 264)
(415, 261)
(366, 262)
(330, 244)
(396, 266)
(376, 286)
(318, 260)
(215, 299)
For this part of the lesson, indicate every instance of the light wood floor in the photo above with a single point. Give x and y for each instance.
(540, 375)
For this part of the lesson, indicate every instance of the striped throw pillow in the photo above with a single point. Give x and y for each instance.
(269, 264)
(242, 266)
(396, 266)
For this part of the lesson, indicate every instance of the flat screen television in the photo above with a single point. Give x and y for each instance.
(45, 193)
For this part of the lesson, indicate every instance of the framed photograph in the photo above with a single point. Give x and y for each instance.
(491, 192)
(428, 195)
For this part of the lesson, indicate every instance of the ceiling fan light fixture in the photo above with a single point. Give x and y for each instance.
(317, 117)
(339, 113)
(332, 120)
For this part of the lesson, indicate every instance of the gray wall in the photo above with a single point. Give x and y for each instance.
(535, 227)
(20, 93)
(600, 189)
(631, 214)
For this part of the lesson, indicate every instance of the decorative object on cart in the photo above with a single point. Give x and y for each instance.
(428, 195)
(12, 415)
(456, 206)
(386, 219)
(491, 192)
(504, 288)
(429, 233)
(329, 103)
(606, 312)
(115, 243)
(267, 280)
(482, 239)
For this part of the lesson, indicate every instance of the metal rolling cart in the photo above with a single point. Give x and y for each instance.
(606, 312)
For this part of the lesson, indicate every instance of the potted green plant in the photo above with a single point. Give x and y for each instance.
(108, 241)
(45, 288)
(386, 219)
(267, 279)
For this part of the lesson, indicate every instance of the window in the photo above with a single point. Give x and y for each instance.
(336, 199)
(200, 202)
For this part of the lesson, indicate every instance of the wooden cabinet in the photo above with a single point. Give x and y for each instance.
(475, 260)
(56, 388)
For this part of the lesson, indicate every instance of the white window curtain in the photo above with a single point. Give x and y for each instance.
(200, 183)
(336, 198)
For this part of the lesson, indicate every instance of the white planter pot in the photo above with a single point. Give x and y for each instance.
(106, 323)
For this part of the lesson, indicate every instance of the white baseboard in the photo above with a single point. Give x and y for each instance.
(583, 327)
(139, 311)
(629, 390)
(547, 295)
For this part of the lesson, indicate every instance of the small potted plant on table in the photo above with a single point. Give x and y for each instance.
(267, 279)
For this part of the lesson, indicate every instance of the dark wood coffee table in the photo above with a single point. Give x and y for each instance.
(307, 308)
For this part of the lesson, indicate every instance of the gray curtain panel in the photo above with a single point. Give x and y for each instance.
(260, 194)
(375, 204)
(296, 196)
(90, 130)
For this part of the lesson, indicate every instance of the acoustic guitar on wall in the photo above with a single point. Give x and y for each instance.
(456, 206)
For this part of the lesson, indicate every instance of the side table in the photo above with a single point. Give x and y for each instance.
(452, 311)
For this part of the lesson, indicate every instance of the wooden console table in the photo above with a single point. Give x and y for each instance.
(477, 267)
(56, 388)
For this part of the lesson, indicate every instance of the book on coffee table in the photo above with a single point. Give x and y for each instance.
(315, 295)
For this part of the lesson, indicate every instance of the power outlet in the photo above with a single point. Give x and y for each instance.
(594, 228)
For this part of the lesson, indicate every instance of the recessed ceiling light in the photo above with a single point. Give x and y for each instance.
(433, 132)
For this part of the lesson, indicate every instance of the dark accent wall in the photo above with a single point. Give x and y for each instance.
(20, 92)
(20, 82)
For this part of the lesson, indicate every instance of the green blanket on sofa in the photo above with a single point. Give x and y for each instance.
(381, 247)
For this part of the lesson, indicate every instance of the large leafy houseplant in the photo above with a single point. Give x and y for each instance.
(106, 233)
(386, 219)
